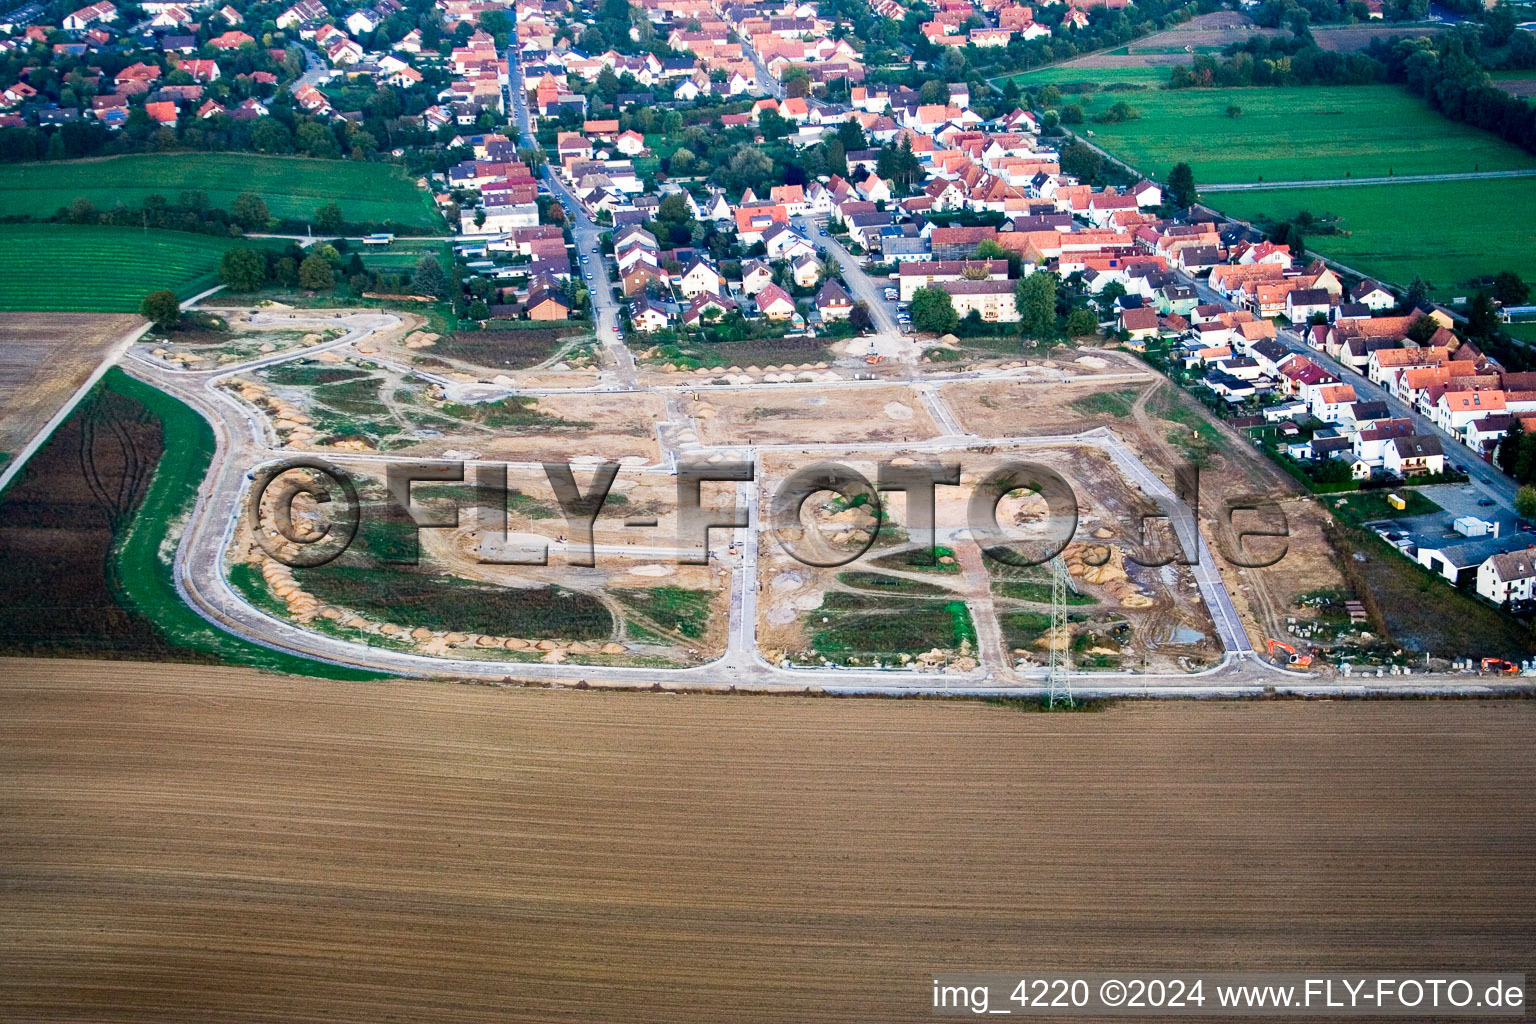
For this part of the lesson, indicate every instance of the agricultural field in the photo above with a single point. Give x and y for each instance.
(193, 844)
(44, 359)
(102, 269)
(291, 186)
(85, 561)
(1439, 241)
(1283, 134)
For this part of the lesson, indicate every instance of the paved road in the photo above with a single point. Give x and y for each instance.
(1487, 477)
(1405, 179)
(887, 339)
(315, 69)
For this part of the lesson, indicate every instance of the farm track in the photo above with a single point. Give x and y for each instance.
(202, 844)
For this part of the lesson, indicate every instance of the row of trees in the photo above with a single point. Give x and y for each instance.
(1452, 81)
(247, 269)
(192, 211)
(1266, 60)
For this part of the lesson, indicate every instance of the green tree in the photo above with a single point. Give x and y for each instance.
(1525, 502)
(1417, 296)
(315, 273)
(162, 308)
(933, 310)
(429, 278)
(1510, 290)
(1181, 186)
(1482, 319)
(1081, 161)
(1071, 114)
(249, 210)
(859, 318)
(328, 217)
(837, 158)
(1035, 299)
(478, 310)
(1081, 323)
(1423, 328)
(286, 271)
(242, 269)
(1508, 453)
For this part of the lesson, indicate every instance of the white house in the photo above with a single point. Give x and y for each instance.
(1416, 455)
(1508, 577)
(700, 278)
(755, 276)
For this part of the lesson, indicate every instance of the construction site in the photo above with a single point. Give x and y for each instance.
(1142, 586)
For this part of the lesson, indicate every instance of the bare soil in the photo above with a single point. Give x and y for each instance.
(811, 415)
(57, 525)
(198, 844)
(44, 358)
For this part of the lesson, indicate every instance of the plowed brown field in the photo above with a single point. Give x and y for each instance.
(186, 844)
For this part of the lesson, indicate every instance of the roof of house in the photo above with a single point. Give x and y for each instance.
(832, 294)
(1417, 446)
(1514, 565)
(1143, 318)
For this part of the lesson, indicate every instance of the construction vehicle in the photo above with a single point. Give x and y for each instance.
(874, 360)
(1291, 657)
(1500, 667)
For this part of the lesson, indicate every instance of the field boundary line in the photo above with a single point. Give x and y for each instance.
(39, 439)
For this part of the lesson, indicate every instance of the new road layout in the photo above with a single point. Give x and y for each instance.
(245, 442)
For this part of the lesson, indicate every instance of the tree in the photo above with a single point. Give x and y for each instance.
(328, 217)
(1081, 161)
(286, 271)
(1234, 111)
(1509, 447)
(1418, 294)
(478, 310)
(837, 158)
(1510, 290)
(429, 278)
(851, 134)
(859, 317)
(1482, 319)
(1181, 186)
(1525, 502)
(1071, 114)
(1081, 323)
(1423, 328)
(244, 270)
(249, 210)
(933, 310)
(315, 273)
(1035, 299)
(161, 308)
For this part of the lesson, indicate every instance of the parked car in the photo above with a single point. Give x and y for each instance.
(1486, 502)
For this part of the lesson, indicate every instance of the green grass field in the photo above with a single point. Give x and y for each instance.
(291, 186)
(1446, 232)
(61, 267)
(1293, 134)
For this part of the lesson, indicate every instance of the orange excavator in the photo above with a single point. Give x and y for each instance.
(1500, 667)
(1291, 657)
